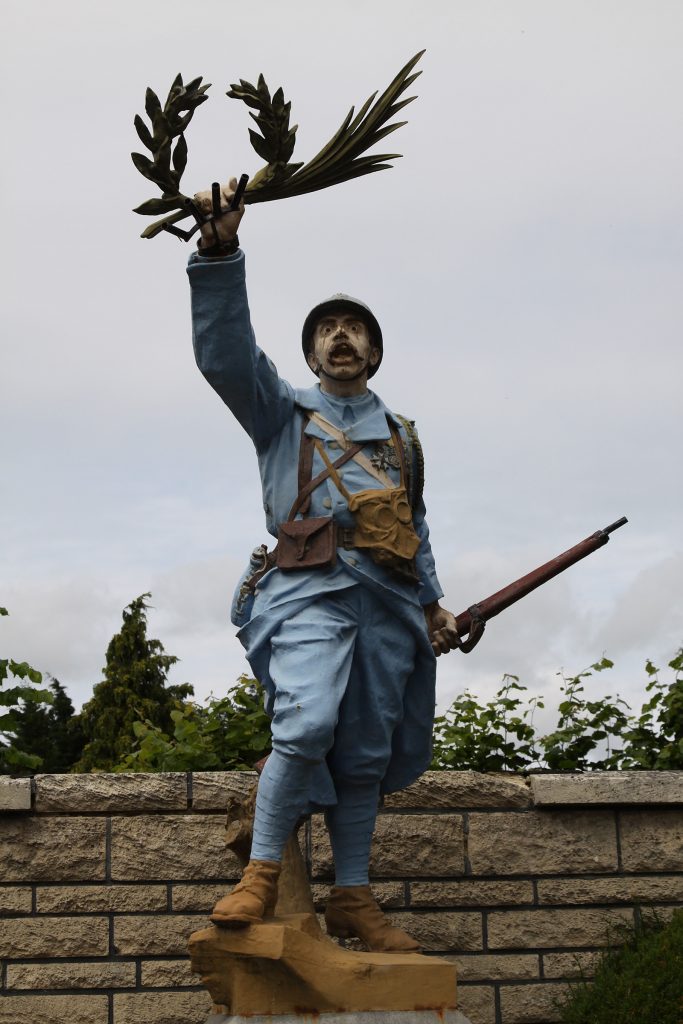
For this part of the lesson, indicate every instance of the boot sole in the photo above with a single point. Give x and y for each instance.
(339, 932)
(234, 921)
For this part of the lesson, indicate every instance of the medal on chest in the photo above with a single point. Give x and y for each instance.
(385, 457)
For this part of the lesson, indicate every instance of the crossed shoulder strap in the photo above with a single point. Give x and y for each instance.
(404, 450)
(307, 485)
(360, 458)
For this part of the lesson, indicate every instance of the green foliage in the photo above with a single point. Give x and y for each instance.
(640, 981)
(231, 732)
(500, 735)
(656, 738)
(189, 748)
(53, 733)
(133, 689)
(492, 737)
(13, 700)
(584, 725)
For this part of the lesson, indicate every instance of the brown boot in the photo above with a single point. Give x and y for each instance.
(253, 898)
(352, 912)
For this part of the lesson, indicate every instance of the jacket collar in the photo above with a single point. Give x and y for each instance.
(372, 415)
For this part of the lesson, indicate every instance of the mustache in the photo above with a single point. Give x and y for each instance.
(342, 341)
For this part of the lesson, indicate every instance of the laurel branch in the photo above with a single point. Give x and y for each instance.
(341, 159)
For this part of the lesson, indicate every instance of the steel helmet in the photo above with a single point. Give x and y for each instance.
(341, 302)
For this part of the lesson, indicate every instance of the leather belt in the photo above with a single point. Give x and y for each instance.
(345, 535)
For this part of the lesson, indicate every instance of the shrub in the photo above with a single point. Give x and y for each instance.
(24, 693)
(591, 734)
(637, 982)
(230, 733)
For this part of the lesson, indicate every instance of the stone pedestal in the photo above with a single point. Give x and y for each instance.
(287, 966)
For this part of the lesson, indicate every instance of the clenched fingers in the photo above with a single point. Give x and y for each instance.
(444, 640)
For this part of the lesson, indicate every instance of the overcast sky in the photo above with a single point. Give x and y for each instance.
(524, 260)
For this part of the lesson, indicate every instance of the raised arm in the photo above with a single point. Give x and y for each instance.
(223, 339)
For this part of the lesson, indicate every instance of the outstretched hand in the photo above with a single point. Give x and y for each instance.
(442, 628)
(229, 220)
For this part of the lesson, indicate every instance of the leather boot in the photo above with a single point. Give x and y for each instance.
(353, 912)
(253, 898)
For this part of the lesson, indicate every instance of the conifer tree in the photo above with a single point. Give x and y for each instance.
(52, 732)
(133, 688)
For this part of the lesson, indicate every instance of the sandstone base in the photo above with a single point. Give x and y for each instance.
(371, 1017)
(286, 965)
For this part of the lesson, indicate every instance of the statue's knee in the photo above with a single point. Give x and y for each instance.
(309, 743)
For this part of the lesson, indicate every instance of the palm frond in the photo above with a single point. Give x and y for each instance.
(338, 160)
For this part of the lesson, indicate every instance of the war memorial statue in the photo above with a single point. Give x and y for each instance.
(341, 620)
(342, 624)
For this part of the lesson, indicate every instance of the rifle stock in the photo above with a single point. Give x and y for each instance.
(471, 623)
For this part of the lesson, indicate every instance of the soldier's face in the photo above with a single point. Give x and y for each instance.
(342, 347)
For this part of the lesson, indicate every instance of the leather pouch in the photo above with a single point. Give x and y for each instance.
(307, 544)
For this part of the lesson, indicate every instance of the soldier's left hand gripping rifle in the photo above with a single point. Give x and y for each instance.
(471, 623)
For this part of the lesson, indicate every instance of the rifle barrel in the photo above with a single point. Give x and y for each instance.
(615, 526)
(502, 599)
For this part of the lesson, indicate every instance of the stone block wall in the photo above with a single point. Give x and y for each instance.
(103, 878)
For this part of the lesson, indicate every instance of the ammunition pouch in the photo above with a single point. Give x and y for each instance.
(307, 544)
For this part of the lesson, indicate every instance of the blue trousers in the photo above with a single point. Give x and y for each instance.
(340, 667)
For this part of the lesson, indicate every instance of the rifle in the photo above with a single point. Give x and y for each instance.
(471, 623)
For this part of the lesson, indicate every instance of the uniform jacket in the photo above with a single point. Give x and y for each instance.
(272, 411)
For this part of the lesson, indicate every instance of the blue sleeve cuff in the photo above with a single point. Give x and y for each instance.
(196, 257)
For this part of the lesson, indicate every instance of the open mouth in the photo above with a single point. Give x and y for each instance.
(343, 350)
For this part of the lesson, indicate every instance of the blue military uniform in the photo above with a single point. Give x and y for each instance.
(342, 652)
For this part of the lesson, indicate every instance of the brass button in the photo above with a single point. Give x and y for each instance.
(333, 444)
(327, 502)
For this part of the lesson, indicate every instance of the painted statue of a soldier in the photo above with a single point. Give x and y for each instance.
(342, 623)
